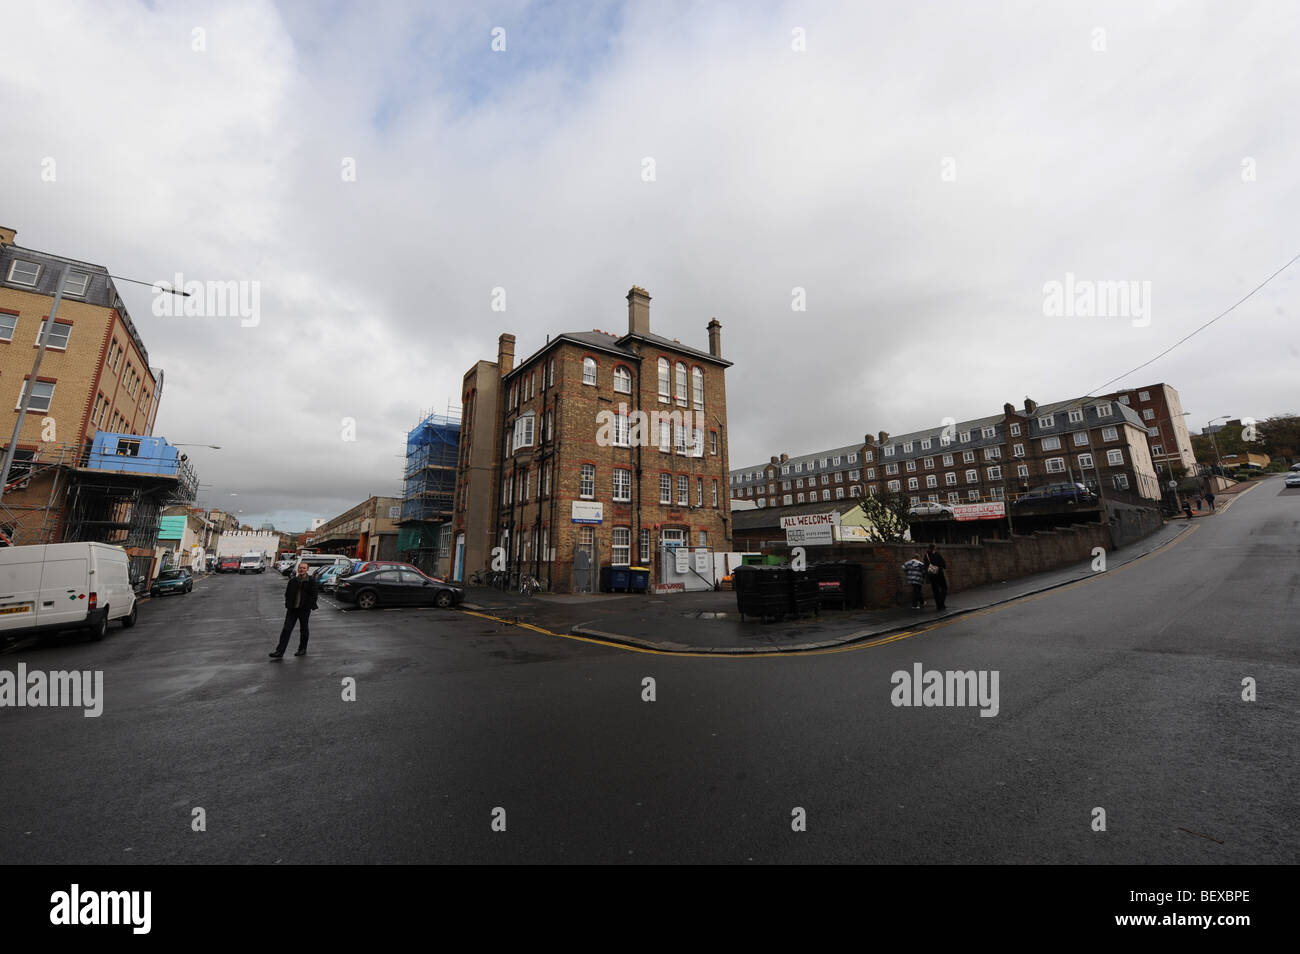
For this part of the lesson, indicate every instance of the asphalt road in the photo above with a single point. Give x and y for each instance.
(1123, 693)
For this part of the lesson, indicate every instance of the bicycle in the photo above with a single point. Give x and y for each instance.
(530, 585)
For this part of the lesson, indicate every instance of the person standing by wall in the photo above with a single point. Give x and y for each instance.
(915, 570)
(935, 567)
(299, 601)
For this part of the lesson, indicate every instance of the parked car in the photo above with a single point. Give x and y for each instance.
(396, 587)
(1295, 467)
(54, 586)
(282, 566)
(316, 560)
(363, 566)
(1056, 493)
(930, 508)
(228, 564)
(171, 581)
(1293, 480)
(327, 575)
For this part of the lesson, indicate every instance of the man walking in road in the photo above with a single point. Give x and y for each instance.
(935, 565)
(299, 601)
(1209, 498)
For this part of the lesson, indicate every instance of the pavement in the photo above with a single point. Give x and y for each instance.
(709, 623)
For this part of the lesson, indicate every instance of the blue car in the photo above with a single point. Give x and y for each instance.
(171, 581)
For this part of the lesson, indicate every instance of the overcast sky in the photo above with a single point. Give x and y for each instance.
(921, 171)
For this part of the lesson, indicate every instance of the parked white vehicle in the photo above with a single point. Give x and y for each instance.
(252, 563)
(54, 586)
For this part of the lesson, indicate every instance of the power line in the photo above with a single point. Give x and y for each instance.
(1102, 389)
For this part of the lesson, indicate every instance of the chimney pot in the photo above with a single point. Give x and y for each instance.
(715, 337)
(884, 436)
(1008, 409)
(506, 353)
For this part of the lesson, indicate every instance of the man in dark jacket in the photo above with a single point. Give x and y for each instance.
(938, 581)
(299, 601)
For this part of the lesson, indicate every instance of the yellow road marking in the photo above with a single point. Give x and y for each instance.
(851, 647)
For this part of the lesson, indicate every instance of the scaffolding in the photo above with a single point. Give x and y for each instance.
(428, 486)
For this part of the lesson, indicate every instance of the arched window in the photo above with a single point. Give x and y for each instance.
(589, 371)
(697, 387)
(665, 383)
(681, 383)
(622, 380)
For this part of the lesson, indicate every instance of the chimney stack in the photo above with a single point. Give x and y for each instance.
(884, 436)
(785, 458)
(1008, 409)
(638, 311)
(7, 235)
(775, 459)
(506, 354)
(715, 338)
(1030, 406)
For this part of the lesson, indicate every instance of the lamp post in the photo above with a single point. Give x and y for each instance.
(26, 402)
(1215, 444)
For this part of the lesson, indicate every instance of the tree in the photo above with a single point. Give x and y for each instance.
(886, 513)
(1280, 435)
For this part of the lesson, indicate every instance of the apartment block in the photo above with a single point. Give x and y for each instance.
(1161, 411)
(599, 449)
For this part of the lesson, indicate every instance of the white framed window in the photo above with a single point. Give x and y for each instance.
(1144, 395)
(680, 441)
(587, 482)
(1085, 462)
(853, 458)
(1123, 399)
(992, 453)
(8, 323)
(1121, 482)
(931, 480)
(24, 273)
(1017, 450)
(995, 473)
(1047, 421)
(620, 546)
(1103, 410)
(996, 493)
(622, 380)
(839, 493)
(713, 443)
(826, 495)
(928, 463)
(589, 371)
(798, 468)
(973, 496)
(911, 466)
(889, 450)
(42, 395)
(1109, 434)
(645, 545)
(968, 457)
(666, 489)
(1076, 415)
(947, 460)
(786, 500)
(839, 476)
(891, 468)
(697, 387)
(681, 383)
(785, 485)
(550, 425)
(933, 498)
(954, 497)
(620, 430)
(698, 446)
(826, 479)
(912, 483)
(893, 486)
(785, 469)
(837, 461)
(1055, 465)
(1115, 457)
(907, 447)
(972, 476)
(945, 439)
(1148, 414)
(683, 491)
(964, 436)
(802, 498)
(987, 432)
(699, 491)
(715, 492)
(1051, 443)
(666, 441)
(59, 335)
(925, 444)
(665, 381)
(523, 436)
(856, 474)
(1015, 429)
(1157, 450)
(622, 484)
(855, 491)
(1153, 432)
(75, 284)
(798, 484)
(825, 462)
(950, 479)
(1022, 470)
(551, 375)
(545, 490)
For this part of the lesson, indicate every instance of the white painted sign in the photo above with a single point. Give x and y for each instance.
(816, 536)
(682, 556)
(979, 511)
(810, 520)
(588, 511)
(703, 562)
(852, 534)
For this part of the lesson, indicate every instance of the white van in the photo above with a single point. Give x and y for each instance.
(252, 562)
(55, 586)
(316, 560)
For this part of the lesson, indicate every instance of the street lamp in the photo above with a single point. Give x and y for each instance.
(1215, 444)
(30, 387)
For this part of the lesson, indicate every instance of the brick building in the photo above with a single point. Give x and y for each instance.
(786, 481)
(596, 450)
(1161, 410)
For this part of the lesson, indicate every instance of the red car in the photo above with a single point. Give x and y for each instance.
(228, 565)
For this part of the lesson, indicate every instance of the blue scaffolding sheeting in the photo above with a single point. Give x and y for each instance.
(429, 480)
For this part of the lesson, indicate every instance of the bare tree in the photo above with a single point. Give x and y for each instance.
(886, 513)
